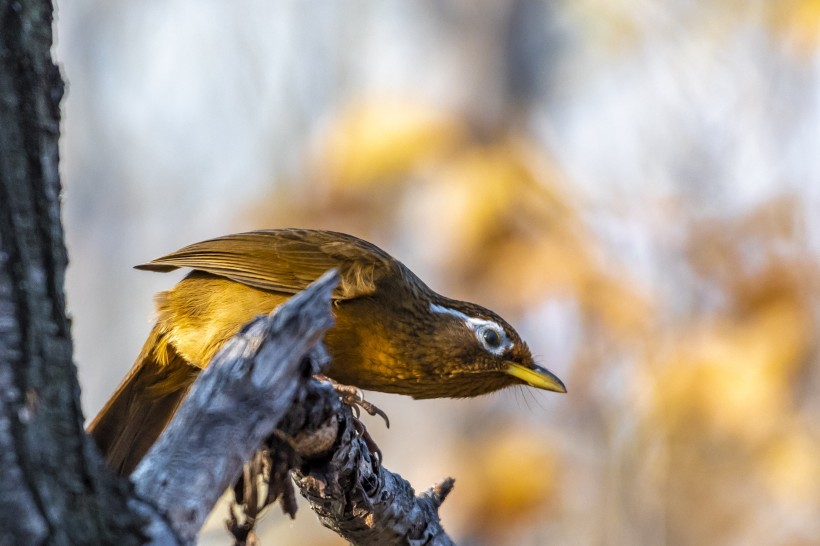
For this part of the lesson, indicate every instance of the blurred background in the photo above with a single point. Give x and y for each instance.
(634, 185)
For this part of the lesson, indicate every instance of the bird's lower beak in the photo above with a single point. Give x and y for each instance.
(538, 377)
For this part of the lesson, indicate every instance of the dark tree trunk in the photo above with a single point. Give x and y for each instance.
(52, 487)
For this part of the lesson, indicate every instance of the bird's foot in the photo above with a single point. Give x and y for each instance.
(353, 397)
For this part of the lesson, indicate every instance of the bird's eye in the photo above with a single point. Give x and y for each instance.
(490, 337)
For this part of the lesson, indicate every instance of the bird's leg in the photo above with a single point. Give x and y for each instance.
(353, 397)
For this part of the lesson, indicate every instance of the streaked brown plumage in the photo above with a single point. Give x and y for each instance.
(392, 333)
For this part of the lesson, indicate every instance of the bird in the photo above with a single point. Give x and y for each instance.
(392, 333)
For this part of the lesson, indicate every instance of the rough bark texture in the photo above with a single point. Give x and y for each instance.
(52, 488)
(351, 492)
(233, 407)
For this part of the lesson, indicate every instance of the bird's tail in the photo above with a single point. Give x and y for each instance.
(137, 412)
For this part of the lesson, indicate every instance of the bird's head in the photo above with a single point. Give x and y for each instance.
(483, 353)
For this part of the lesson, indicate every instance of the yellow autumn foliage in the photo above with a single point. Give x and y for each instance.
(374, 140)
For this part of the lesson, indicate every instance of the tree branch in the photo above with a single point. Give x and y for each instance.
(234, 405)
(353, 494)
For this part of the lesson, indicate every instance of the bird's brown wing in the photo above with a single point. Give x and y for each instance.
(286, 260)
(135, 415)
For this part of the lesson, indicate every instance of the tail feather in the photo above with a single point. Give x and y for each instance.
(140, 408)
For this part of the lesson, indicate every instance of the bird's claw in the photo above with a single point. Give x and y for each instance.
(352, 396)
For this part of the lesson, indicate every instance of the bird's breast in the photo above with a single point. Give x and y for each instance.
(378, 345)
(203, 311)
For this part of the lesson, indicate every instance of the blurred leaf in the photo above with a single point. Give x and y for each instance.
(378, 139)
(798, 24)
(733, 378)
(517, 486)
(791, 466)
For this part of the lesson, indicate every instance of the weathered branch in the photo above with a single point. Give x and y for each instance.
(232, 408)
(352, 493)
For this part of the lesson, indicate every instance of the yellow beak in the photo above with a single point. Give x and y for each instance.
(537, 377)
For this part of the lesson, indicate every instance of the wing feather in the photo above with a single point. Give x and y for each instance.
(286, 260)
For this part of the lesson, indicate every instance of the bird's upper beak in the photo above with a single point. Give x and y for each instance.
(536, 376)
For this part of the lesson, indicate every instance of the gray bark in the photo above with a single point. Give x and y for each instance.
(235, 404)
(53, 487)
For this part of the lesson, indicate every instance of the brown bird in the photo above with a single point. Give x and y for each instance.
(392, 333)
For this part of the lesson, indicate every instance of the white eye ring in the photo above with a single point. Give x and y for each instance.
(489, 337)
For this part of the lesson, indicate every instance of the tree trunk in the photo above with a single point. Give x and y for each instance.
(52, 487)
